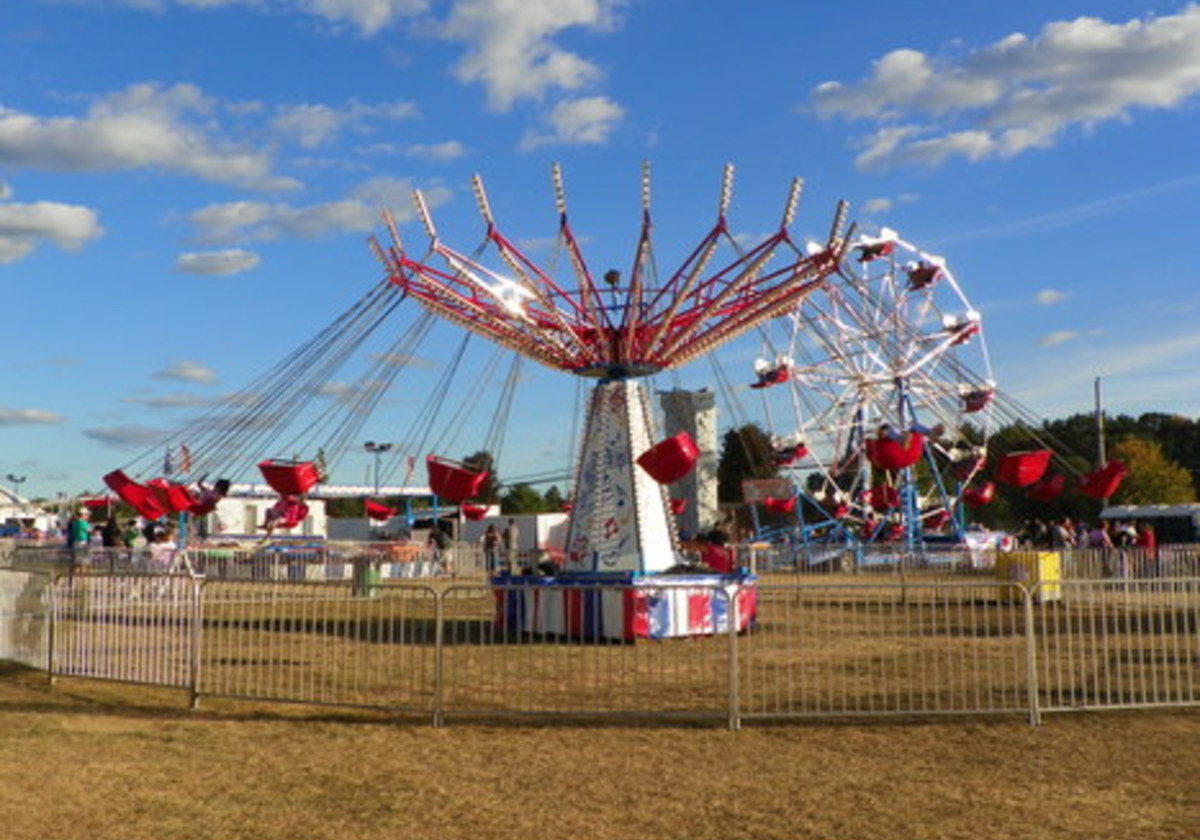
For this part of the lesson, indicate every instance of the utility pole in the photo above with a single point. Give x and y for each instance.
(1101, 457)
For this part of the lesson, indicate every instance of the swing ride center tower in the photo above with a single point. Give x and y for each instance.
(616, 329)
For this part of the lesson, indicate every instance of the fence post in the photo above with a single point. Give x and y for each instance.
(735, 711)
(52, 626)
(1035, 711)
(197, 599)
(439, 637)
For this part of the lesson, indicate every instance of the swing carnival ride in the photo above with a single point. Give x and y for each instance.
(616, 331)
(621, 528)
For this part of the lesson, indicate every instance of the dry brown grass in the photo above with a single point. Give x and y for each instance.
(98, 761)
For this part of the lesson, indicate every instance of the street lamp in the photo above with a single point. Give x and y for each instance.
(376, 449)
(17, 481)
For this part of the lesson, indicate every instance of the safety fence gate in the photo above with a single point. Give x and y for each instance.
(817, 648)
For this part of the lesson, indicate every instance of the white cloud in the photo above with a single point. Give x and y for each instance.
(28, 417)
(882, 204)
(510, 48)
(143, 126)
(586, 121)
(22, 226)
(217, 263)
(188, 372)
(126, 437)
(1067, 371)
(315, 125)
(1061, 336)
(1021, 92)
(448, 150)
(1048, 297)
(171, 401)
(1058, 337)
(357, 213)
(368, 16)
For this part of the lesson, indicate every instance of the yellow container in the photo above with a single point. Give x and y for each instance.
(1030, 568)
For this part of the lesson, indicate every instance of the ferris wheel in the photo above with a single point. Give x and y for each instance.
(887, 404)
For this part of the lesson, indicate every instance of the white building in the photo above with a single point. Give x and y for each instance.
(17, 514)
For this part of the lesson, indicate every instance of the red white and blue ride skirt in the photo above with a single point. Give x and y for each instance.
(625, 607)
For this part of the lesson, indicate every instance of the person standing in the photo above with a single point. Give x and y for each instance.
(511, 539)
(491, 549)
(79, 534)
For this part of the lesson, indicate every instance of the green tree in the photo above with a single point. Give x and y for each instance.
(1153, 479)
(745, 454)
(554, 498)
(522, 498)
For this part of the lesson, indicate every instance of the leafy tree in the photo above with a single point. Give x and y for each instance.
(554, 498)
(745, 454)
(1152, 478)
(344, 508)
(522, 498)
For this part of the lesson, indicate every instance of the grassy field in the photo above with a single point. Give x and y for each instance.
(102, 760)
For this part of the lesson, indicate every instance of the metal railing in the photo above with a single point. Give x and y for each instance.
(837, 647)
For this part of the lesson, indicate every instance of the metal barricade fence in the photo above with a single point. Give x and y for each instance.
(135, 628)
(820, 648)
(321, 643)
(1119, 644)
(886, 648)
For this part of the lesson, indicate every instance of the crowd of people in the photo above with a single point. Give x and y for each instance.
(153, 541)
(1114, 542)
(1103, 533)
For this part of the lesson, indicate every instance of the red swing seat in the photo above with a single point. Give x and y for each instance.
(671, 459)
(1102, 483)
(452, 481)
(895, 454)
(882, 497)
(378, 511)
(288, 512)
(1021, 469)
(780, 505)
(473, 512)
(137, 496)
(171, 497)
(979, 496)
(290, 478)
(1047, 488)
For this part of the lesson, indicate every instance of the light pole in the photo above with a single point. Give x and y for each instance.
(17, 481)
(376, 449)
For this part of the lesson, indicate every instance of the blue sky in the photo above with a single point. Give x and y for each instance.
(186, 186)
